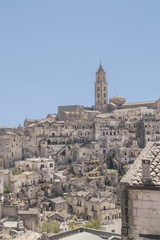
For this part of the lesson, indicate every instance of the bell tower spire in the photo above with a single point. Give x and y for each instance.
(101, 91)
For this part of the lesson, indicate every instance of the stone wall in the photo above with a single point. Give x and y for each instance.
(10, 210)
(31, 218)
(143, 214)
(70, 108)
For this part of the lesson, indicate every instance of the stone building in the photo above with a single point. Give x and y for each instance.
(140, 189)
(31, 218)
(35, 164)
(88, 205)
(117, 100)
(101, 94)
(158, 108)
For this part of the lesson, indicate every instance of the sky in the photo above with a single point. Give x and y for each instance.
(51, 49)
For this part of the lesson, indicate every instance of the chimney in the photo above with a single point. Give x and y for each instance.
(146, 179)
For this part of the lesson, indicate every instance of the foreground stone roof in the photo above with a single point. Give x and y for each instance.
(134, 174)
(29, 235)
(82, 236)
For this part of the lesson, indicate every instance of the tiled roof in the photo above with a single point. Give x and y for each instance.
(82, 193)
(139, 103)
(134, 174)
(58, 200)
(97, 200)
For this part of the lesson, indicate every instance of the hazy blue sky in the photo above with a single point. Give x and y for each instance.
(51, 49)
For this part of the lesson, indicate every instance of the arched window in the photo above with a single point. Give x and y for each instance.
(51, 165)
(98, 95)
(42, 166)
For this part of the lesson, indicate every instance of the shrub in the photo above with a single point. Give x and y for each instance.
(72, 225)
(93, 224)
(50, 226)
(16, 171)
(7, 190)
(83, 118)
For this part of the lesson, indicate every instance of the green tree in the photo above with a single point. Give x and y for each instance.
(93, 224)
(49, 226)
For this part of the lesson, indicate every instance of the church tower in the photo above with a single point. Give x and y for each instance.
(101, 93)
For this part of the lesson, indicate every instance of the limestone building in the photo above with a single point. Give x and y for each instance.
(140, 189)
(101, 94)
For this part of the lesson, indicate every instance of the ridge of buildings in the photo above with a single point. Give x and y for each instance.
(69, 165)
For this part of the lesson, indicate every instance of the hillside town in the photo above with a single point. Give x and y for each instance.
(82, 164)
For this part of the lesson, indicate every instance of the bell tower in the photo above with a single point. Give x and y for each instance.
(101, 91)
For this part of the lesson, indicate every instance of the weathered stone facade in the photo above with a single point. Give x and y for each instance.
(140, 190)
(101, 94)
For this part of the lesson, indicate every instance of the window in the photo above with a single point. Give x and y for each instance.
(98, 95)
(92, 208)
(42, 166)
(104, 95)
(97, 88)
(104, 101)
